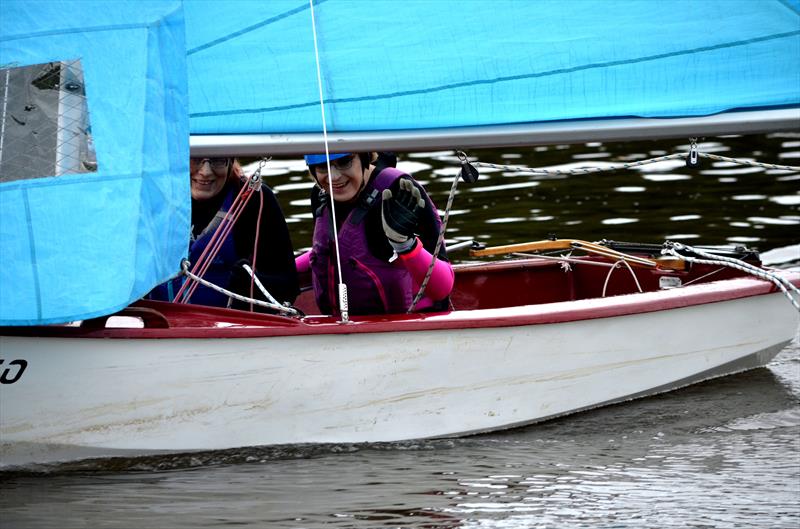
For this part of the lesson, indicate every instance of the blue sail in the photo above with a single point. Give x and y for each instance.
(388, 65)
(115, 222)
(106, 93)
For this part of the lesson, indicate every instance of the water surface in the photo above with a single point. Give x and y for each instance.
(717, 203)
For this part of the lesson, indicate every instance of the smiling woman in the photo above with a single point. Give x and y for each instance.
(259, 239)
(345, 181)
(208, 176)
(386, 229)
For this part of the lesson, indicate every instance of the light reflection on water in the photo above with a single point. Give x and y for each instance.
(725, 453)
(716, 204)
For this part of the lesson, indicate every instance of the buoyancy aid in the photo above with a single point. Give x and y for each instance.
(219, 271)
(374, 286)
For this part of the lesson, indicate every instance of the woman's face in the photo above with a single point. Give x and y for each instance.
(208, 176)
(346, 175)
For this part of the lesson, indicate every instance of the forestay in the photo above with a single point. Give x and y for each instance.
(423, 65)
(96, 237)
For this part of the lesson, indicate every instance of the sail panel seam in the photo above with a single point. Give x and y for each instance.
(50, 181)
(32, 246)
(121, 27)
(251, 28)
(497, 80)
(114, 27)
(789, 6)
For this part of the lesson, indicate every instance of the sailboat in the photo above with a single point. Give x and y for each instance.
(103, 104)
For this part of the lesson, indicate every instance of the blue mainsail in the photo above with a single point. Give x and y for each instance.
(85, 244)
(80, 245)
(419, 64)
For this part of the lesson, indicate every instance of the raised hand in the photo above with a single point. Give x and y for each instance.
(400, 214)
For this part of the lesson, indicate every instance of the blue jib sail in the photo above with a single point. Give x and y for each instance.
(105, 94)
(94, 155)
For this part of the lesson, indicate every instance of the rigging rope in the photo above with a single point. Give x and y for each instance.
(614, 267)
(218, 238)
(690, 156)
(253, 278)
(673, 248)
(274, 306)
(785, 286)
(751, 163)
(343, 307)
(439, 242)
(630, 165)
(251, 185)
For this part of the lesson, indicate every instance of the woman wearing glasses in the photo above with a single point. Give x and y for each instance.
(387, 229)
(259, 235)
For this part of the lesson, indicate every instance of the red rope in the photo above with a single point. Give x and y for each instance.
(222, 232)
(217, 235)
(217, 240)
(255, 244)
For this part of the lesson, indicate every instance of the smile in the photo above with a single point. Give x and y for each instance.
(203, 182)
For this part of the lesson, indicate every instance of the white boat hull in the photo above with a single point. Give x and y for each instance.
(82, 398)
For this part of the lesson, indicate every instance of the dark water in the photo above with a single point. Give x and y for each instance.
(725, 453)
(715, 204)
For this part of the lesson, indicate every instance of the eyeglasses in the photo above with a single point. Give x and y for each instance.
(218, 165)
(342, 164)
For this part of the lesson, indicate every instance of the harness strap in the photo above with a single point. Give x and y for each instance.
(383, 180)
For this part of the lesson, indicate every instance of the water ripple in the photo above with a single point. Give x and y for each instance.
(621, 220)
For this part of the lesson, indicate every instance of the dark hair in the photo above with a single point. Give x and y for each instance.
(235, 171)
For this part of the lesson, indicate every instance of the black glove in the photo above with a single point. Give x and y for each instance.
(401, 214)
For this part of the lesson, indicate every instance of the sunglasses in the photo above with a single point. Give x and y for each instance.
(342, 164)
(218, 165)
